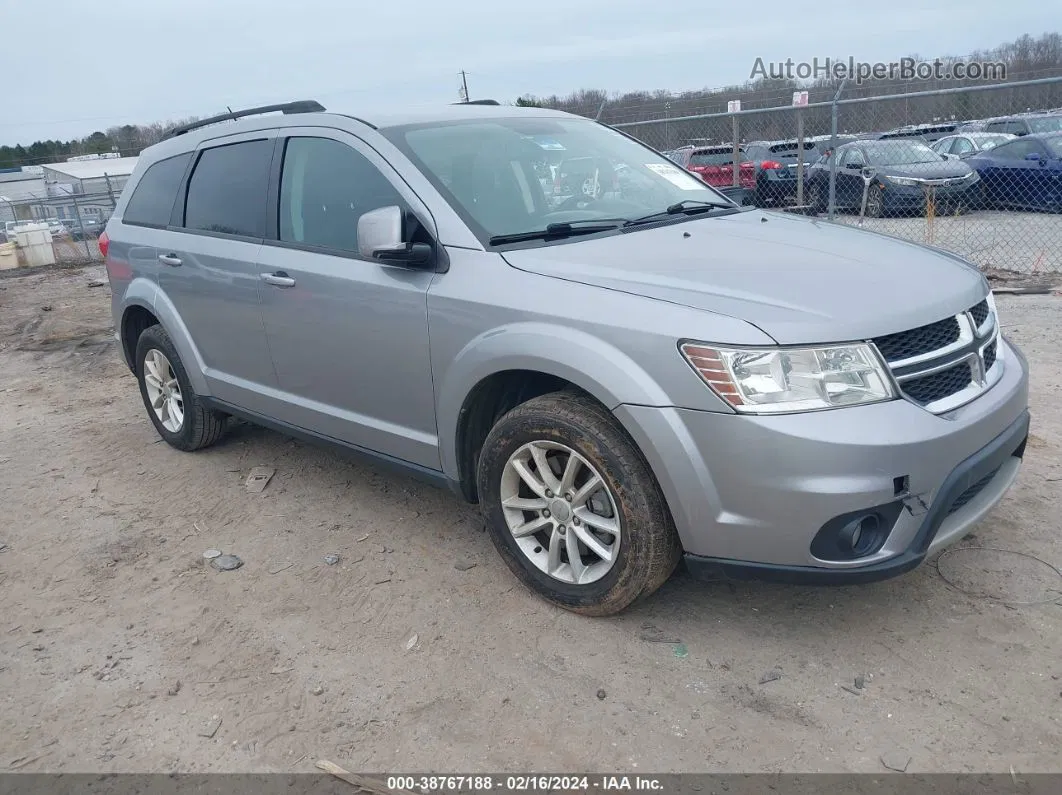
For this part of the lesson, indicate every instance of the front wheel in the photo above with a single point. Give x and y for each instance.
(875, 202)
(572, 506)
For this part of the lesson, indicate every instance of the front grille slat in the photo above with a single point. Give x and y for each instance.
(937, 386)
(980, 313)
(990, 355)
(919, 341)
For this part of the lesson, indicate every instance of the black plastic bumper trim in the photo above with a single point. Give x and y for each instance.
(1010, 443)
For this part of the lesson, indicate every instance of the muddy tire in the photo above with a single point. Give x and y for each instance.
(558, 474)
(172, 405)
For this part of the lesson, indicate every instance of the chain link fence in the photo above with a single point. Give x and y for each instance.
(75, 222)
(974, 170)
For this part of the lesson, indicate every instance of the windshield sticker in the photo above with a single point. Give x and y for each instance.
(676, 176)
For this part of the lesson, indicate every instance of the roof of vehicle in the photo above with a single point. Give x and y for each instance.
(1029, 114)
(975, 134)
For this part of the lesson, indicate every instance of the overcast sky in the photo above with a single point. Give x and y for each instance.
(73, 67)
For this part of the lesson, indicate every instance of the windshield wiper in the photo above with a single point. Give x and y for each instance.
(564, 229)
(684, 207)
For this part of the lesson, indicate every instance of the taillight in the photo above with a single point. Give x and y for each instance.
(770, 164)
(104, 242)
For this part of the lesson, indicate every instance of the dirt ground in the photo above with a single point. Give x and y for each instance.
(418, 651)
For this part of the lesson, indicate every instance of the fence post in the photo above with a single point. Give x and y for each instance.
(81, 228)
(735, 127)
(800, 157)
(110, 189)
(832, 206)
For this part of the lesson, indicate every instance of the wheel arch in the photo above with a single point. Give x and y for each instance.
(502, 369)
(144, 305)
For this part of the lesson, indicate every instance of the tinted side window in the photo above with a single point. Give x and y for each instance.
(962, 146)
(227, 191)
(325, 187)
(152, 199)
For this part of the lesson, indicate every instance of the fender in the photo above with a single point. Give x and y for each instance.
(586, 361)
(146, 293)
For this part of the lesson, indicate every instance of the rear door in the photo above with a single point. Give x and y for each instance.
(349, 336)
(1014, 181)
(208, 265)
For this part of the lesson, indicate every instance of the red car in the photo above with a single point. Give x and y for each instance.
(715, 165)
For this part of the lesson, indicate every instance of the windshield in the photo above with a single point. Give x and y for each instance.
(1046, 124)
(901, 153)
(502, 180)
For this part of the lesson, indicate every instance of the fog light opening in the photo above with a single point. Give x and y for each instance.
(861, 535)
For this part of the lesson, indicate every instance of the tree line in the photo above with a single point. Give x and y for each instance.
(126, 140)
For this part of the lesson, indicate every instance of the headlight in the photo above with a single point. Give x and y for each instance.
(903, 181)
(779, 380)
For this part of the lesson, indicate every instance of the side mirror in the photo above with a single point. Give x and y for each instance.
(380, 238)
(1034, 156)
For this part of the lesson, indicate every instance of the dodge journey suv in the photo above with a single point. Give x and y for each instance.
(638, 373)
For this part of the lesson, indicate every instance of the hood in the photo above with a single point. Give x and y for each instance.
(799, 280)
(942, 170)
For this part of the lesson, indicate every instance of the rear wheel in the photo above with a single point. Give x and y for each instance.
(172, 405)
(572, 506)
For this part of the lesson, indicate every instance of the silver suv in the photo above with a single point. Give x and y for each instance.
(636, 373)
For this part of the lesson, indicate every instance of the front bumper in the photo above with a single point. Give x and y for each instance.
(749, 493)
(914, 197)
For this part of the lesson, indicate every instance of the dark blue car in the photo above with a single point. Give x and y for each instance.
(1024, 174)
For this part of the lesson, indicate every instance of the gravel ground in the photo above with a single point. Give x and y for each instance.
(1029, 243)
(121, 651)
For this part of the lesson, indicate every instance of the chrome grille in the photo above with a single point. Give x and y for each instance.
(942, 365)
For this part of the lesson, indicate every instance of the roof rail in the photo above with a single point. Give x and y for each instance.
(302, 106)
(479, 102)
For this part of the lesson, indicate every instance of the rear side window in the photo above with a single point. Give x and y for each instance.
(152, 199)
(227, 191)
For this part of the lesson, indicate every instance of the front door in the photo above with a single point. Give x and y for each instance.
(349, 336)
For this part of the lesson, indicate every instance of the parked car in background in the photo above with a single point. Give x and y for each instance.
(1027, 124)
(926, 132)
(643, 376)
(715, 165)
(776, 164)
(85, 228)
(899, 171)
(969, 143)
(1025, 173)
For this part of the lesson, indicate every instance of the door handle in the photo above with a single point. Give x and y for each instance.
(278, 279)
(170, 259)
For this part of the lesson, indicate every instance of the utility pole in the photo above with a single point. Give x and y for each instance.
(464, 84)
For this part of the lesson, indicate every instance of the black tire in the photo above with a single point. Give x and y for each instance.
(201, 427)
(875, 202)
(649, 548)
(815, 198)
